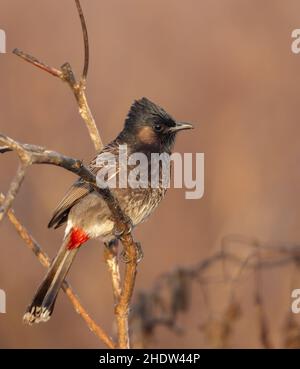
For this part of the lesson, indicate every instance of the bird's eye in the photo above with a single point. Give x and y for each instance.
(158, 127)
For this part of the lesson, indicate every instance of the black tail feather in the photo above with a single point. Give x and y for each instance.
(43, 302)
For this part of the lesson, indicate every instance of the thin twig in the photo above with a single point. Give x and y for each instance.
(32, 60)
(164, 313)
(78, 90)
(4, 149)
(32, 154)
(111, 259)
(264, 331)
(85, 40)
(45, 261)
(66, 74)
(41, 155)
(13, 190)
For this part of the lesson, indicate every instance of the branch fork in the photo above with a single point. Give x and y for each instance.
(32, 154)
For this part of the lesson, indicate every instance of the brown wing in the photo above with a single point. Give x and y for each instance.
(78, 190)
(75, 193)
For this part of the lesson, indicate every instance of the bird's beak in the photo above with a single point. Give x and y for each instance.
(181, 126)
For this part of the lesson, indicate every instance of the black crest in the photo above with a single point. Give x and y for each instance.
(145, 111)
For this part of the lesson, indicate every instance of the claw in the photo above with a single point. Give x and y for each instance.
(139, 251)
(129, 224)
(125, 257)
(119, 232)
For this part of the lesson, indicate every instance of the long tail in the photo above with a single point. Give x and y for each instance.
(42, 306)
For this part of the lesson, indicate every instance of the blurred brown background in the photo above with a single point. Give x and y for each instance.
(225, 65)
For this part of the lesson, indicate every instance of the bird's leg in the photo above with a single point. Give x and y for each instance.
(139, 251)
(119, 232)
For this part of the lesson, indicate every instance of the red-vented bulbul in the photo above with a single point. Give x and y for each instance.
(148, 129)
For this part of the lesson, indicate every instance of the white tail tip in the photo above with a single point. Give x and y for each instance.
(37, 314)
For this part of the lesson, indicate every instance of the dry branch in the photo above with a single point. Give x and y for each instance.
(30, 154)
(169, 296)
(45, 261)
(111, 259)
(13, 190)
(66, 74)
(85, 40)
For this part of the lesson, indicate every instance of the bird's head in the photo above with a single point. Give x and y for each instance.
(150, 127)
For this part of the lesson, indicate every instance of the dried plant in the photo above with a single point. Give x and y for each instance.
(171, 295)
(32, 154)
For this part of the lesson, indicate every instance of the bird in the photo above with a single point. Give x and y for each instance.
(148, 129)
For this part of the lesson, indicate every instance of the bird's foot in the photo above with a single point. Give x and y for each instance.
(119, 232)
(139, 254)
